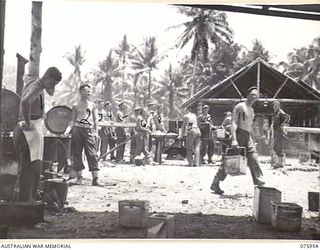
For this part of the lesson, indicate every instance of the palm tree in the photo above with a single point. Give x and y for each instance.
(147, 59)
(258, 51)
(123, 53)
(174, 86)
(312, 76)
(67, 91)
(108, 71)
(206, 26)
(76, 59)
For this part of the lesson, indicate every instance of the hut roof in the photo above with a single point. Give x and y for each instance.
(271, 83)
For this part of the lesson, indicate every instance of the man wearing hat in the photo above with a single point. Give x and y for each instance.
(133, 131)
(150, 112)
(241, 133)
(102, 130)
(142, 131)
(111, 134)
(193, 139)
(206, 127)
(280, 119)
(120, 131)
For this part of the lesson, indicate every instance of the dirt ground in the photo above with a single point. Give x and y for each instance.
(184, 192)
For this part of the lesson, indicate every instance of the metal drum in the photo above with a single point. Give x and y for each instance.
(58, 119)
(9, 110)
(57, 146)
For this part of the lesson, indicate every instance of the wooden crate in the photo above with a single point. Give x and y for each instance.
(263, 196)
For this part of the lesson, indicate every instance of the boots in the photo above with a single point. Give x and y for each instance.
(95, 179)
(215, 185)
(216, 188)
(280, 162)
(79, 178)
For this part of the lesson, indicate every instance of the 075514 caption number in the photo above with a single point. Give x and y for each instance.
(309, 246)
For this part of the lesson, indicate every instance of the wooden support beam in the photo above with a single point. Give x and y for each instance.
(234, 85)
(281, 87)
(20, 72)
(258, 77)
(236, 100)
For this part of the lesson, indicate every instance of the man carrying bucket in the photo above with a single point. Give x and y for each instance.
(241, 133)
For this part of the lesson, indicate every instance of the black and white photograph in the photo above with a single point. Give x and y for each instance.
(159, 121)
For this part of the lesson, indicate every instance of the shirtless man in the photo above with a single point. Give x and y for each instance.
(84, 125)
(28, 134)
(193, 140)
(241, 133)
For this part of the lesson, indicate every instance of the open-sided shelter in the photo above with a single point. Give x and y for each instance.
(298, 99)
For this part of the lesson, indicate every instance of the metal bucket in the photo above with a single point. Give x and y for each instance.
(133, 213)
(8, 175)
(59, 186)
(235, 161)
(286, 216)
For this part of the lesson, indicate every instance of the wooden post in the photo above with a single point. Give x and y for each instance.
(20, 72)
(35, 48)
(258, 77)
(2, 20)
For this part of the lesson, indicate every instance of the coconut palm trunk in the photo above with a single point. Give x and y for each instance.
(171, 101)
(193, 85)
(149, 87)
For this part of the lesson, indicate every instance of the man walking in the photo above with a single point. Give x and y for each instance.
(241, 133)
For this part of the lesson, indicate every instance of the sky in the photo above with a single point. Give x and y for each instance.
(99, 26)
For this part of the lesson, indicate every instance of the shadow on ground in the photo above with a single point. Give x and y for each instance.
(104, 225)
